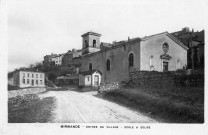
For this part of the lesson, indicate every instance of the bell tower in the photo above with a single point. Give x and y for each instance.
(90, 42)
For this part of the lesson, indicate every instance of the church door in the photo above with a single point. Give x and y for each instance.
(165, 66)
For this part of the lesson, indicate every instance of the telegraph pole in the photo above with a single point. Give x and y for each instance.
(192, 52)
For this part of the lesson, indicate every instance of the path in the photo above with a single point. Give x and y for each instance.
(75, 107)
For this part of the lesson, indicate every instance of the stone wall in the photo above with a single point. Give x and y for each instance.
(151, 79)
(109, 86)
(164, 79)
(26, 91)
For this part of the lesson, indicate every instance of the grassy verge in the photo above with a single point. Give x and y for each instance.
(87, 89)
(184, 105)
(29, 109)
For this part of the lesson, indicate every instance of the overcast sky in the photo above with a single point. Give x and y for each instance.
(40, 27)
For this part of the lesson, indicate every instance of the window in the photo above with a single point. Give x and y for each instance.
(41, 82)
(32, 75)
(32, 82)
(165, 66)
(23, 74)
(90, 66)
(131, 59)
(108, 65)
(36, 82)
(36, 75)
(94, 43)
(40, 76)
(28, 81)
(151, 63)
(88, 78)
(28, 75)
(23, 81)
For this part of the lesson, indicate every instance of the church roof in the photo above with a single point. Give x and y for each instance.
(170, 36)
(91, 33)
(90, 72)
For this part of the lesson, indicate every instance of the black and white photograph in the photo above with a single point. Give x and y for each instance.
(103, 67)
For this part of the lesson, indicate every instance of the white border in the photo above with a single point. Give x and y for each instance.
(53, 129)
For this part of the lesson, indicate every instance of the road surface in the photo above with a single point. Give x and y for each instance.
(76, 107)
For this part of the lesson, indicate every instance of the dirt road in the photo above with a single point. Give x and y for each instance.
(75, 107)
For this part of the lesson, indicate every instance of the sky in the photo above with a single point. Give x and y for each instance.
(40, 27)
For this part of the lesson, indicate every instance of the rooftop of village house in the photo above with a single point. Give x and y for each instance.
(28, 70)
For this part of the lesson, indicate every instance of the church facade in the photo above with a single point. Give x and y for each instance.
(159, 52)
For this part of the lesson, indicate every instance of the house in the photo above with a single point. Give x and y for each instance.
(160, 52)
(67, 58)
(57, 59)
(76, 53)
(90, 78)
(28, 78)
(47, 62)
(195, 42)
(53, 60)
(71, 79)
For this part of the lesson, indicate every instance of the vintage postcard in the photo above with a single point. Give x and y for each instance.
(103, 67)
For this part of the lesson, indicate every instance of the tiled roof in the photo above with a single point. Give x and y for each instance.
(91, 33)
(89, 72)
(57, 55)
(68, 77)
(147, 37)
(28, 70)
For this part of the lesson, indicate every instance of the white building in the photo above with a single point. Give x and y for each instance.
(90, 78)
(26, 78)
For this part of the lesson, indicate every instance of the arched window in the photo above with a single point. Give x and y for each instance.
(131, 59)
(151, 58)
(90, 66)
(151, 63)
(108, 65)
(178, 64)
(94, 43)
(86, 44)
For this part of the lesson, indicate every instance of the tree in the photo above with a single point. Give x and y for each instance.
(52, 76)
(39, 66)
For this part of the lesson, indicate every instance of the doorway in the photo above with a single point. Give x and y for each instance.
(165, 66)
(96, 80)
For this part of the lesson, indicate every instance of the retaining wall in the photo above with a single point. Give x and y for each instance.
(109, 86)
(164, 79)
(22, 92)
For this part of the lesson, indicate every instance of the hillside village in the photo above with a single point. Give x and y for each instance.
(161, 76)
(115, 60)
(75, 59)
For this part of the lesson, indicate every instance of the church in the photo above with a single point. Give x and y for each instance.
(160, 52)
